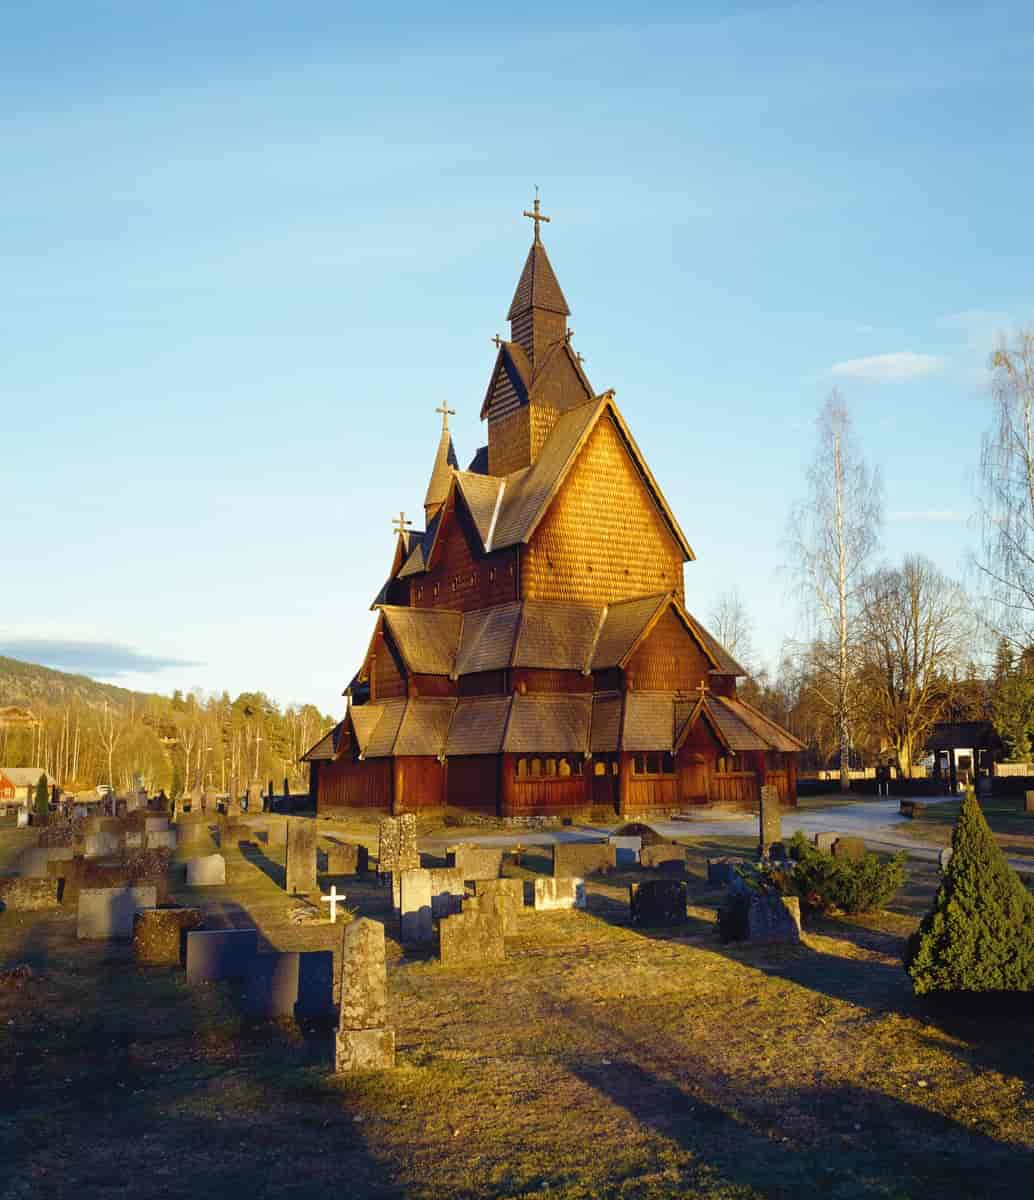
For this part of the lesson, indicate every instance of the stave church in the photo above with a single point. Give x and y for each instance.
(531, 652)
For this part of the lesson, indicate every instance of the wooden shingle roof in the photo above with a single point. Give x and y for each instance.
(538, 286)
(426, 637)
(445, 462)
(649, 722)
(364, 719)
(487, 639)
(478, 725)
(325, 748)
(425, 726)
(382, 740)
(549, 724)
(554, 635)
(605, 733)
(622, 627)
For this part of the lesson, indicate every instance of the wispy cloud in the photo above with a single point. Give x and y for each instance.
(927, 514)
(900, 367)
(107, 659)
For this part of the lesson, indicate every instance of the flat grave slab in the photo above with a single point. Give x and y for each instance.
(658, 903)
(207, 871)
(214, 954)
(107, 914)
(159, 934)
(290, 984)
(583, 858)
(552, 893)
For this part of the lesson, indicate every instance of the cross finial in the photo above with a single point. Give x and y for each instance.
(498, 341)
(568, 334)
(536, 215)
(400, 524)
(446, 412)
(580, 357)
(702, 687)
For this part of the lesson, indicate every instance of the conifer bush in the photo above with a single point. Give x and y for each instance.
(979, 935)
(41, 803)
(824, 883)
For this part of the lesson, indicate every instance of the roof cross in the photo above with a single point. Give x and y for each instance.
(400, 524)
(703, 688)
(535, 215)
(498, 341)
(446, 412)
(568, 334)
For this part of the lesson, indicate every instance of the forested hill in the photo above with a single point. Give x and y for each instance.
(84, 732)
(28, 683)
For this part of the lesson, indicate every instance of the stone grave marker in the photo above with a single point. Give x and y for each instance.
(824, 841)
(255, 802)
(210, 801)
(720, 871)
(774, 918)
(852, 848)
(206, 871)
(583, 858)
(333, 898)
(107, 913)
(301, 856)
(664, 856)
(159, 934)
(233, 800)
(22, 894)
(553, 893)
(197, 800)
(475, 862)
(770, 820)
(415, 903)
(447, 891)
(134, 839)
(626, 850)
(347, 859)
(945, 857)
(470, 939)
(214, 954)
(34, 863)
(165, 840)
(290, 984)
(22, 818)
(156, 824)
(102, 845)
(365, 1042)
(497, 905)
(658, 903)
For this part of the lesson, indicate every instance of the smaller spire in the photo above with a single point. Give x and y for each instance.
(445, 462)
(536, 215)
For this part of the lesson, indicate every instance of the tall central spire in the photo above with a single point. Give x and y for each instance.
(538, 313)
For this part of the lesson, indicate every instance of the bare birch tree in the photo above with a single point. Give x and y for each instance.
(832, 534)
(730, 624)
(1007, 503)
(110, 728)
(916, 632)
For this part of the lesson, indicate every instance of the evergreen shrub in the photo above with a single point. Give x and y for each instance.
(824, 883)
(41, 803)
(979, 935)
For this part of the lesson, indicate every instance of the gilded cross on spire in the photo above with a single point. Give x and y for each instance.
(400, 524)
(446, 412)
(536, 215)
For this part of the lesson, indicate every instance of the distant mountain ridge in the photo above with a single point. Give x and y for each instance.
(27, 683)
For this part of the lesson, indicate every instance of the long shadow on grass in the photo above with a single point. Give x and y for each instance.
(837, 1140)
(123, 1080)
(254, 855)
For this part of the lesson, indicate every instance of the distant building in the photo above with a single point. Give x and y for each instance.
(964, 750)
(532, 653)
(18, 784)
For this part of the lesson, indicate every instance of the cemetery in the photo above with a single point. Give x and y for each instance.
(281, 1003)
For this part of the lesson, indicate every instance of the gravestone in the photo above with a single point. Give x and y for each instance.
(511, 889)
(23, 818)
(824, 841)
(159, 934)
(156, 824)
(290, 984)
(944, 858)
(232, 832)
(207, 871)
(21, 894)
(34, 863)
(475, 862)
(388, 861)
(626, 850)
(134, 840)
(364, 1041)
(773, 918)
(233, 800)
(101, 845)
(210, 803)
(197, 800)
(470, 939)
(720, 871)
(852, 848)
(301, 856)
(107, 913)
(496, 905)
(347, 859)
(658, 902)
(448, 888)
(664, 856)
(415, 902)
(214, 954)
(646, 834)
(165, 840)
(194, 833)
(553, 893)
(276, 833)
(583, 858)
(255, 803)
(770, 820)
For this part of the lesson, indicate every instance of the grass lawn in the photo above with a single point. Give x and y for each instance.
(1012, 827)
(596, 1061)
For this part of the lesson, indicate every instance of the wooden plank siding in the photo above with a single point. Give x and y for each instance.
(386, 678)
(348, 783)
(603, 539)
(465, 579)
(549, 795)
(667, 660)
(537, 679)
(473, 782)
(419, 783)
(737, 788)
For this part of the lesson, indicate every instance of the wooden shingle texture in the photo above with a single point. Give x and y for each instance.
(649, 721)
(425, 726)
(478, 725)
(549, 724)
(426, 638)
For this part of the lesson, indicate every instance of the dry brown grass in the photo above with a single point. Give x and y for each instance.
(595, 1061)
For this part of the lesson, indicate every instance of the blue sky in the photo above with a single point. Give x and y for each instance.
(248, 248)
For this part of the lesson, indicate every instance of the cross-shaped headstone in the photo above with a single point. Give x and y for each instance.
(446, 412)
(536, 215)
(333, 900)
(400, 524)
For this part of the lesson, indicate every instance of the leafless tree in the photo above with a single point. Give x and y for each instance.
(110, 728)
(1007, 501)
(832, 534)
(916, 627)
(731, 625)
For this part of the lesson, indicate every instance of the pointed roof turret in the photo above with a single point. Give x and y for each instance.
(445, 462)
(537, 286)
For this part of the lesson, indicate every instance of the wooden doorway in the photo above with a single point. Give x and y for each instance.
(606, 788)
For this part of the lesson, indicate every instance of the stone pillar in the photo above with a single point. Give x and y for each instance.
(301, 855)
(365, 1041)
(770, 823)
(254, 797)
(624, 782)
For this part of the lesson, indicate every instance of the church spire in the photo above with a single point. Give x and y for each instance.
(538, 313)
(445, 462)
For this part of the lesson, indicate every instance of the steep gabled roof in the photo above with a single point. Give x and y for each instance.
(323, 750)
(487, 639)
(649, 721)
(382, 741)
(605, 735)
(425, 726)
(445, 462)
(548, 724)
(538, 286)
(556, 635)
(622, 627)
(426, 638)
(512, 361)
(479, 463)
(420, 548)
(482, 495)
(478, 725)
(364, 719)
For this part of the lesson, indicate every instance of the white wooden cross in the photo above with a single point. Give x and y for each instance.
(333, 900)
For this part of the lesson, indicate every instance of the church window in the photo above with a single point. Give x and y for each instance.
(435, 592)
(491, 574)
(656, 763)
(420, 593)
(536, 768)
(564, 768)
(522, 768)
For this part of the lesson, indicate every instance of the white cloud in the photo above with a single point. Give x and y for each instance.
(889, 368)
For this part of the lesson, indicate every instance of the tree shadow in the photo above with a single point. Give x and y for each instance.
(253, 854)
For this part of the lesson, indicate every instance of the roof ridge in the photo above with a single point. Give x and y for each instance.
(587, 670)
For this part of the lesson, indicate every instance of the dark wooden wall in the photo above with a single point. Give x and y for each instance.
(473, 782)
(465, 578)
(386, 679)
(348, 783)
(419, 783)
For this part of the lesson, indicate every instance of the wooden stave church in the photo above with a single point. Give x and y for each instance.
(532, 654)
